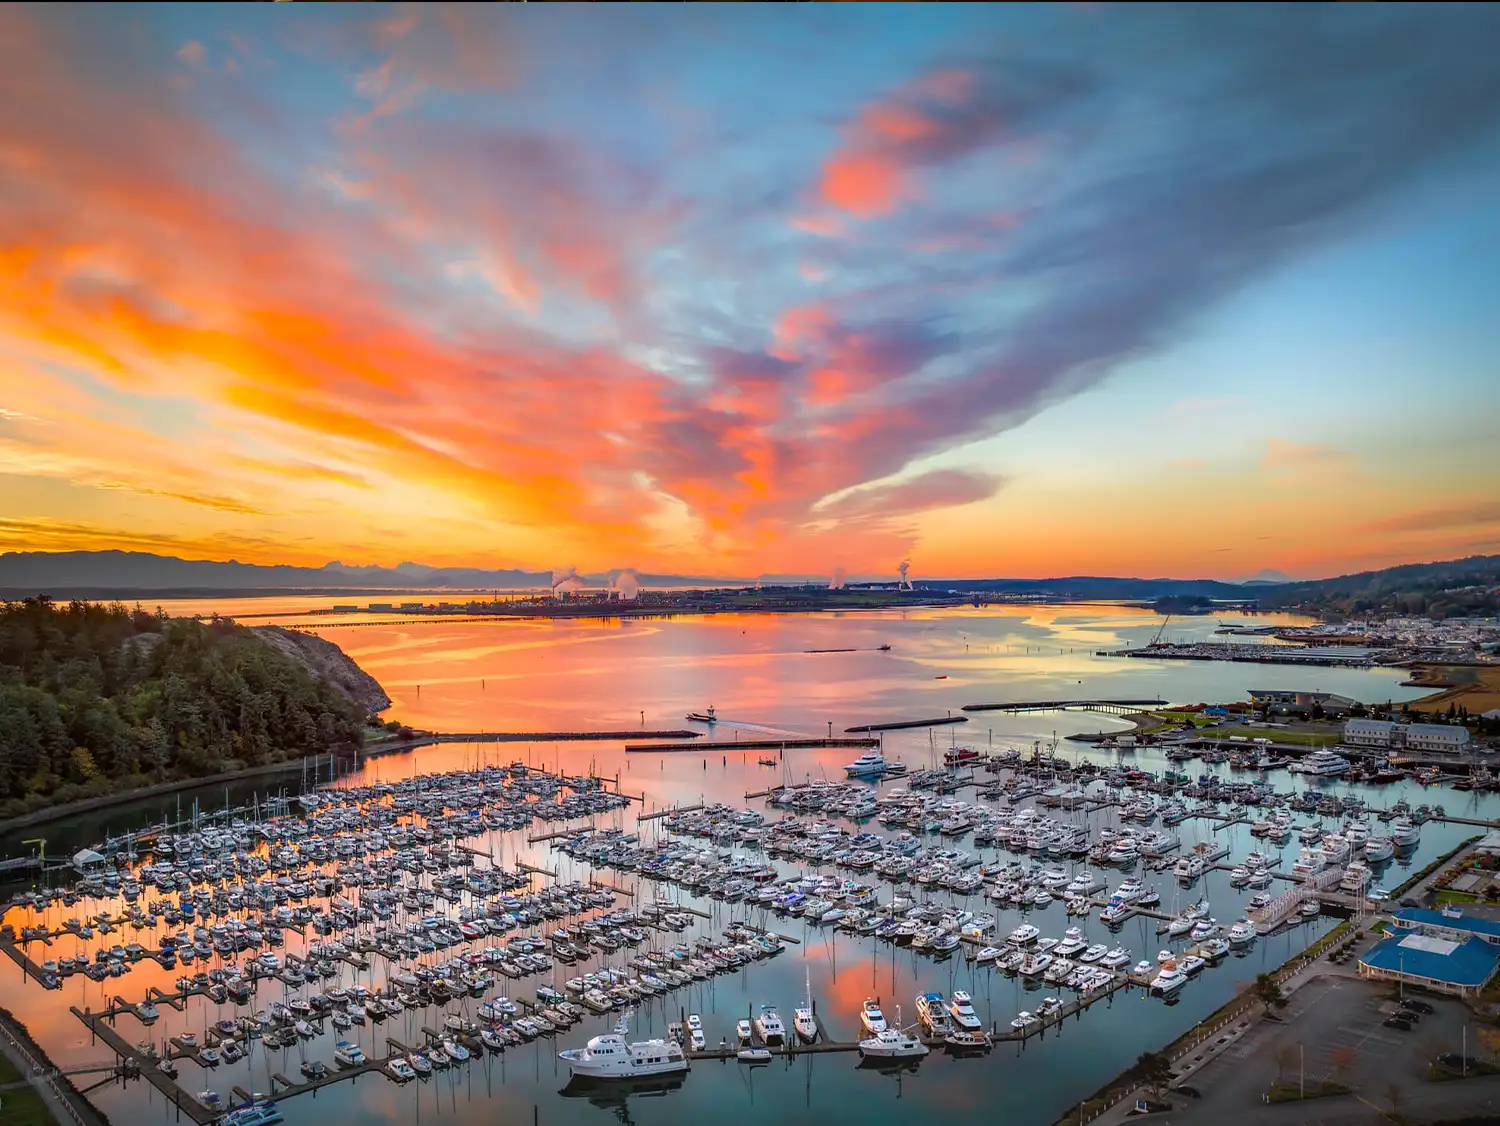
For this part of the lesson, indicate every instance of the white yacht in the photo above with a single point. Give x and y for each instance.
(1242, 933)
(768, 1024)
(1379, 849)
(892, 1043)
(1404, 834)
(1323, 762)
(695, 1032)
(1170, 979)
(869, 765)
(610, 1057)
(1356, 877)
(347, 1054)
(1023, 934)
(961, 1009)
(1072, 943)
(871, 1017)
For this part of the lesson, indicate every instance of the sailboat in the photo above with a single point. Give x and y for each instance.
(804, 1023)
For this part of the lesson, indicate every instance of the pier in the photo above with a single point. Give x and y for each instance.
(724, 747)
(1112, 706)
(904, 724)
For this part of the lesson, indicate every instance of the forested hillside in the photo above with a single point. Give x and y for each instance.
(95, 698)
(1453, 589)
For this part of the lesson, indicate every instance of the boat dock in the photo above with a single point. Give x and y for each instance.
(724, 746)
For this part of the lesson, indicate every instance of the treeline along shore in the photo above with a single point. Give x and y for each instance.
(99, 699)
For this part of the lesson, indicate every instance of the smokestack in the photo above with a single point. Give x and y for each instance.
(905, 583)
(837, 582)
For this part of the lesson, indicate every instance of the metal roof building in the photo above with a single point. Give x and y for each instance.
(1454, 926)
(1438, 964)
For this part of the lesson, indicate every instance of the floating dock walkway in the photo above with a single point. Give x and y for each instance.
(1067, 705)
(904, 724)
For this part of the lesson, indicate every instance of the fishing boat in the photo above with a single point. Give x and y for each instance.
(703, 717)
(892, 1043)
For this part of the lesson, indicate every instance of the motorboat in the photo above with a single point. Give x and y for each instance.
(399, 1070)
(744, 1031)
(932, 1010)
(961, 1009)
(768, 1024)
(1116, 958)
(709, 716)
(753, 1055)
(695, 1033)
(870, 765)
(1379, 849)
(1242, 933)
(1072, 943)
(1404, 834)
(892, 1043)
(347, 1054)
(1025, 1020)
(1170, 979)
(610, 1057)
(1023, 934)
(871, 1017)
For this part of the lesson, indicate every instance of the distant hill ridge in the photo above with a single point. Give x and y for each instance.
(1460, 586)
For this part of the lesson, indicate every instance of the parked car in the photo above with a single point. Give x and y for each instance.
(1397, 1022)
(1457, 1062)
(1418, 1007)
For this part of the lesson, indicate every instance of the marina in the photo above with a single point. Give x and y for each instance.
(688, 869)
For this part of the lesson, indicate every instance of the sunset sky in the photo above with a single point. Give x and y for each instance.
(723, 289)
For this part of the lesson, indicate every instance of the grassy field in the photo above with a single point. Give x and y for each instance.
(8, 1071)
(1293, 1092)
(24, 1107)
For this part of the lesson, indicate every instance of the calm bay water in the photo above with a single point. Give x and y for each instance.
(577, 675)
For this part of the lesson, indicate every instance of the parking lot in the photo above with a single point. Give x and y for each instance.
(1333, 1029)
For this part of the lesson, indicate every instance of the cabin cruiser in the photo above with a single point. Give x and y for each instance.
(870, 765)
(1404, 834)
(695, 1032)
(933, 1012)
(961, 1009)
(1356, 877)
(770, 1027)
(346, 1054)
(1379, 849)
(1242, 933)
(1170, 979)
(1023, 934)
(610, 1057)
(709, 716)
(1072, 943)
(1116, 958)
(871, 1017)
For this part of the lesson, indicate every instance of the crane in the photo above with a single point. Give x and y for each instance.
(1155, 641)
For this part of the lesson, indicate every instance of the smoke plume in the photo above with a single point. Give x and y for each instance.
(837, 582)
(566, 579)
(628, 583)
(904, 567)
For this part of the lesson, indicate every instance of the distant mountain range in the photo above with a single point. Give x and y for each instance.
(1414, 588)
(98, 573)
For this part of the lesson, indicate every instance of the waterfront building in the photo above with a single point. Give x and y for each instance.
(1425, 738)
(1441, 951)
(1285, 700)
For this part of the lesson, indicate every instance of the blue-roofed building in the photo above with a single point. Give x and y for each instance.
(1443, 965)
(1449, 923)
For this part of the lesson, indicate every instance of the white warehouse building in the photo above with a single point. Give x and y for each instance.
(1428, 738)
